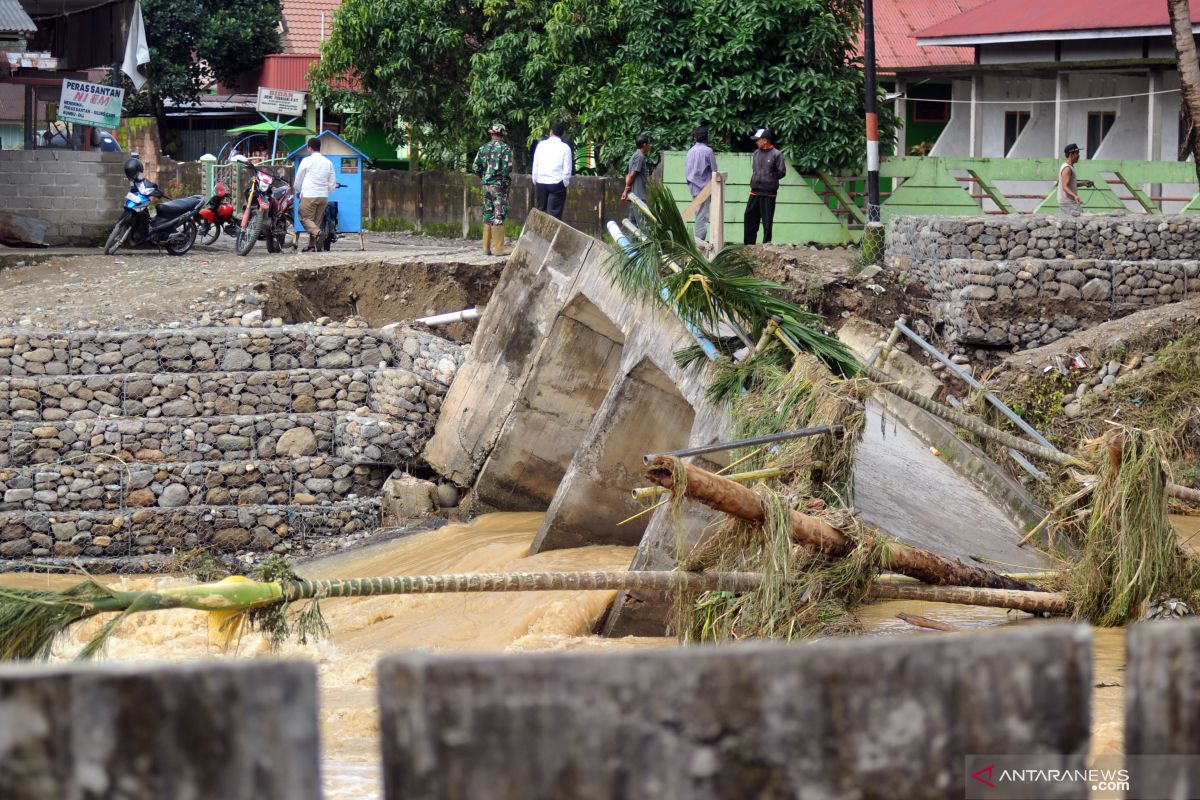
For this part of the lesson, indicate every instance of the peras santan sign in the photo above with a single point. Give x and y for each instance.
(90, 104)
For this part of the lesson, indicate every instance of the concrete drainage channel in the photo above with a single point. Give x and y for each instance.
(256, 432)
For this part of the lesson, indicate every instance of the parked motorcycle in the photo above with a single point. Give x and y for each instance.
(216, 215)
(329, 226)
(268, 211)
(173, 226)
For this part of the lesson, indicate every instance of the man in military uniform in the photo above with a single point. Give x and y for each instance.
(493, 164)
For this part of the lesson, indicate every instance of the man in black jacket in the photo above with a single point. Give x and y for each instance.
(765, 173)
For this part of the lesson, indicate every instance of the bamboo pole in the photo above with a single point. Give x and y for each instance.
(1033, 602)
(649, 492)
(815, 534)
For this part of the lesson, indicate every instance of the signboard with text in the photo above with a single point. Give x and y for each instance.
(90, 104)
(280, 101)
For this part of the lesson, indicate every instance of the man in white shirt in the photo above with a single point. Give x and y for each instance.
(552, 168)
(315, 179)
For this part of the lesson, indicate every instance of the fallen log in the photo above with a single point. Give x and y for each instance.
(1032, 602)
(815, 534)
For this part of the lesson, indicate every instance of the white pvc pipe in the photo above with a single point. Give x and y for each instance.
(452, 317)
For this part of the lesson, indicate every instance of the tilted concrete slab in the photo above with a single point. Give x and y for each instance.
(569, 383)
(885, 718)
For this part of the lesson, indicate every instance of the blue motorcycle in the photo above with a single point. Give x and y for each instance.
(173, 226)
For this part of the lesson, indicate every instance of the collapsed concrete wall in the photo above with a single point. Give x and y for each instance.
(568, 384)
(1028, 280)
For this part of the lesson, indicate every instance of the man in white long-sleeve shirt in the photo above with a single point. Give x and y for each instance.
(315, 179)
(552, 168)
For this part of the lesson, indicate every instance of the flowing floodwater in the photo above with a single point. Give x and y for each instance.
(362, 630)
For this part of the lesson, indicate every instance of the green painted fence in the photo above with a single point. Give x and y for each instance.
(826, 209)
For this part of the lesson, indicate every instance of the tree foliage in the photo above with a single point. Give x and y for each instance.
(194, 43)
(610, 69)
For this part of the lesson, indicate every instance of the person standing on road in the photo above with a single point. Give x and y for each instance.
(552, 167)
(315, 179)
(493, 164)
(698, 170)
(637, 177)
(767, 169)
(1069, 201)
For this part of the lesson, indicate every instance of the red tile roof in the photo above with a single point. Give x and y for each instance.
(1040, 16)
(896, 22)
(302, 25)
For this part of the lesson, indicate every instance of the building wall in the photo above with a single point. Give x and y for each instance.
(78, 192)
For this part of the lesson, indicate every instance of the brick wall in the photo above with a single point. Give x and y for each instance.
(78, 192)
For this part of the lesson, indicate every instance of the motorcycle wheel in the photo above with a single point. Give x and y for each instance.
(328, 237)
(182, 240)
(208, 232)
(117, 237)
(274, 240)
(248, 235)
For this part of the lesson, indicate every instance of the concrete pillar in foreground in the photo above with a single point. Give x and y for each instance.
(882, 718)
(1162, 708)
(206, 731)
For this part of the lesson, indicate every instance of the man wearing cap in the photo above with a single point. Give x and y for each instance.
(636, 180)
(493, 164)
(766, 170)
(1068, 190)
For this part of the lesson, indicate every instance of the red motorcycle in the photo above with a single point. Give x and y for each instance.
(217, 215)
(268, 211)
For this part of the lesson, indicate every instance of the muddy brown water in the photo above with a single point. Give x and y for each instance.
(362, 630)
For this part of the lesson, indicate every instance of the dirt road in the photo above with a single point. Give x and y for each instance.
(80, 288)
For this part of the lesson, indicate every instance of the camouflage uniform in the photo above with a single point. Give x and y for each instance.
(493, 164)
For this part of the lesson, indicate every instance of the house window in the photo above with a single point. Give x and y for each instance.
(1099, 124)
(1014, 123)
(930, 111)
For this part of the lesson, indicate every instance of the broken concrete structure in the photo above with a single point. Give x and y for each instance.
(569, 383)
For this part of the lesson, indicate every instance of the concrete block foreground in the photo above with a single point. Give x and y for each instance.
(862, 719)
(233, 731)
(1162, 708)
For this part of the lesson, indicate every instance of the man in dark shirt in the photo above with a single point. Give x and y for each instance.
(638, 175)
(767, 169)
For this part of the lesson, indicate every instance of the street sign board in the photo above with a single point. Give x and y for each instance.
(280, 101)
(90, 104)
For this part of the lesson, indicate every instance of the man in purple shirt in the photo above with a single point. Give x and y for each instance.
(698, 170)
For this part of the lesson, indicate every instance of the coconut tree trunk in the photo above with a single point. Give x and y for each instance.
(1189, 68)
(1033, 602)
(815, 534)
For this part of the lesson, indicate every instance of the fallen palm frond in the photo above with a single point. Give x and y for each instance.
(712, 293)
(31, 620)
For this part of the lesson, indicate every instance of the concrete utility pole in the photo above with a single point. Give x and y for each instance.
(873, 235)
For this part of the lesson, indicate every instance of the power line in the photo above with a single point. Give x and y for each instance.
(1025, 102)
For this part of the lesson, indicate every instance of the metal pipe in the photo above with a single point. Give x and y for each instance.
(991, 398)
(721, 446)
(879, 349)
(449, 318)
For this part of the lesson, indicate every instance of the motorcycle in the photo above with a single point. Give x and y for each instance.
(173, 226)
(268, 211)
(329, 227)
(216, 215)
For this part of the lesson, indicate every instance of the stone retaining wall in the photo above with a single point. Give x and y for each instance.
(138, 531)
(1026, 281)
(154, 440)
(91, 487)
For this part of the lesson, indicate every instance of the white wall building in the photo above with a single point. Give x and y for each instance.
(1093, 72)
